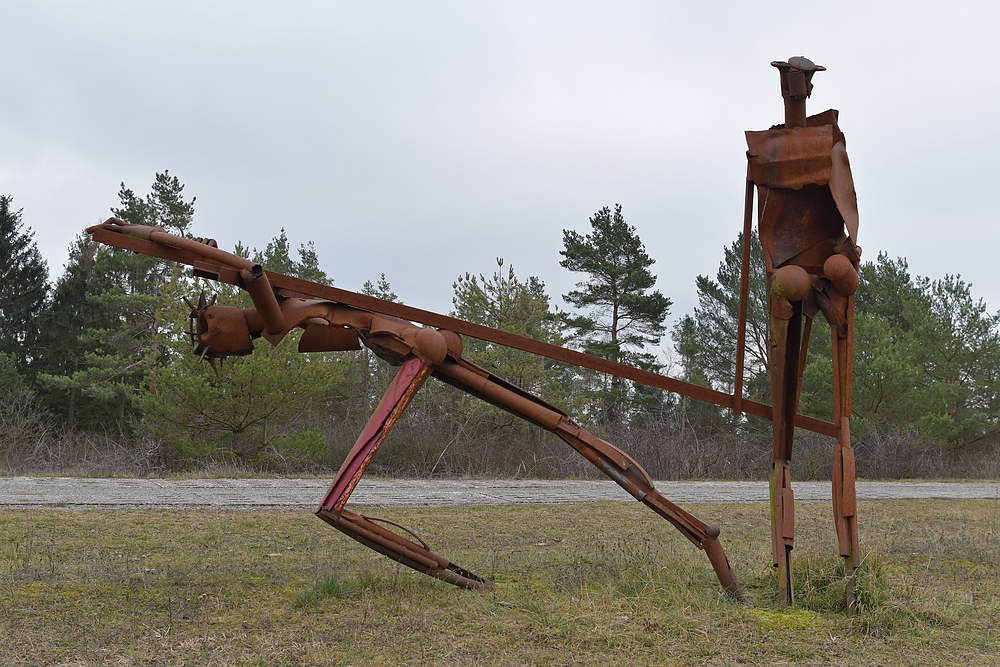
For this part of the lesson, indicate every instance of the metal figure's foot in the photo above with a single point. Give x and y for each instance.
(786, 589)
(782, 529)
(717, 557)
(413, 554)
(850, 586)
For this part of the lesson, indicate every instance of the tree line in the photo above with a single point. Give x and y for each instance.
(96, 370)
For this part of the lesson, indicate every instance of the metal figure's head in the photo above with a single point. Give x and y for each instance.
(796, 76)
(218, 332)
(796, 86)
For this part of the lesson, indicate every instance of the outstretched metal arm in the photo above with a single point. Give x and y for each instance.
(156, 242)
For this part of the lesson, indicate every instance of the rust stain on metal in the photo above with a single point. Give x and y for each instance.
(807, 222)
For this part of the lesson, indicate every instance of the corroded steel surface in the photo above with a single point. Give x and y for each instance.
(807, 222)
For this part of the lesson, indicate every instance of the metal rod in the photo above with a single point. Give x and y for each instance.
(299, 287)
(741, 319)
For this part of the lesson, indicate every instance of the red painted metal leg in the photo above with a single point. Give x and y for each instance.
(410, 377)
(367, 530)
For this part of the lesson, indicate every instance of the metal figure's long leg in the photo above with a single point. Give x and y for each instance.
(786, 330)
(613, 462)
(415, 554)
(411, 376)
(844, 495)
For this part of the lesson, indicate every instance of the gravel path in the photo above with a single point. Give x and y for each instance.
(243, 494)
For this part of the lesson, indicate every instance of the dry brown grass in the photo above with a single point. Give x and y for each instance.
(599, 584)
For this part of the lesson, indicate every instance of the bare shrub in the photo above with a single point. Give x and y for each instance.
(31, 442)
(675, 454)
(902, 453)
(665, 452)
(25, 428)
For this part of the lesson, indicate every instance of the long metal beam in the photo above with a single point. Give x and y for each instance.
(291, 286)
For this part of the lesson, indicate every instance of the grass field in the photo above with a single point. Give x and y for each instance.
(600, 584)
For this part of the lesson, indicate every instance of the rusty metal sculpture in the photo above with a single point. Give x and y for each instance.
(801, 173)
(336, 320)
(807, 217)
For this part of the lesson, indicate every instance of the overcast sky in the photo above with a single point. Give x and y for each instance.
(425, 139)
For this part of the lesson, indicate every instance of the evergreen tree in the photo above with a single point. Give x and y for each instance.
(263, 409)
(267, 408)
(486, 436)
(101, 329)
(926, 354)
(957, 348)
(163, 207)
(368, 376)
(99, 336)
(504, 302)
(623, 313)
(380, 290)
(277, 257)
(706, 340)
(23, 286)
(886, 374)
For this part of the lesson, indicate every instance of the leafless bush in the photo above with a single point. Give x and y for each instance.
(527, 452)
(673, 454)
(901, 453)
(30, 442)
(24, 428)
(667, 453)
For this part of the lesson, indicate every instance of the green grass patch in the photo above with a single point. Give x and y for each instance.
(595, 584)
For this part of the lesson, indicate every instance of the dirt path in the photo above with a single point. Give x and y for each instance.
(82, 493)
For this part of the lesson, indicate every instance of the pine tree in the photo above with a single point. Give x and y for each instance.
(101, 343)
(277, 257)
(23, 286)
(624, 313)
(706, 340)
(504, 302)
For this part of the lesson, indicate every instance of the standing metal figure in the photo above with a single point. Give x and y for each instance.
(808, 225)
